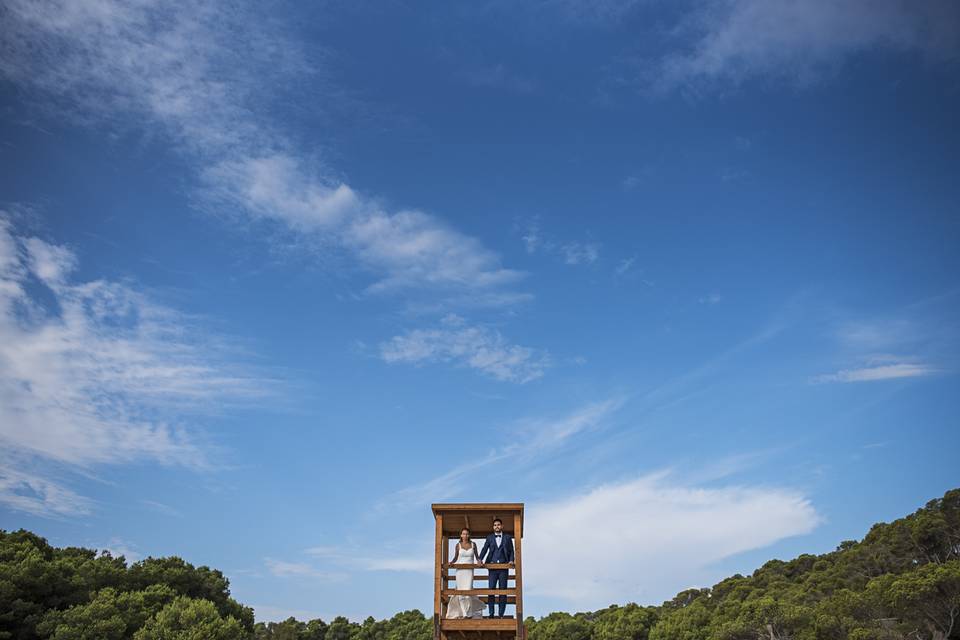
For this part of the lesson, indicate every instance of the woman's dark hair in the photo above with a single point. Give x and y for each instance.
(498, 520)
(464, 529)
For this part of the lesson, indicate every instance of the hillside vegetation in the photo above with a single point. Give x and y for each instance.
(902, 581)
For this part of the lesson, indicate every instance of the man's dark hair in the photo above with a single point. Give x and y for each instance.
(498, 520)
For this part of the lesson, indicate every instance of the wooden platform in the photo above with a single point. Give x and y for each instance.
(481, 629)
(484, 624)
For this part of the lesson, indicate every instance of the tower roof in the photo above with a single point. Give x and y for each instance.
(478, 517)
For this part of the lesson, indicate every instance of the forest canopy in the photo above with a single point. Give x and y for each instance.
(902, 580)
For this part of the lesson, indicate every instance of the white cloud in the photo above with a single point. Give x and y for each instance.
(119, 547)
(580, 253)
(532, 238)
(878, 372)
(646, 539)
(529, 440)
(412, 248)
(625, 265)
(353, 558)
(197, 71)
(572, 253)
(878, 335)
(739, 39)
(475, 347)
(89, 369)
(284, 569)
(39, 496)
(161, 508)
(275, 187)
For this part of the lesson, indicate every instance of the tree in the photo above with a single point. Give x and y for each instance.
(341, 629)
(109, 615)
(927, 598)
(561, 626)
(630, 622)
(194, 582)
(190, 619)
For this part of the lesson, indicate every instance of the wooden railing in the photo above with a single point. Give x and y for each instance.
(448, 577)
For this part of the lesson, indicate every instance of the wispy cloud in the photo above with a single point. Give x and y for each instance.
(735, 40)
(878, 372)
(88, 370)
(284, 569)
(667, 533)
(536, 240)
(530, 440)
(39, 495)
(355, 558)
(901, 344)
(471, 346)
(580, 253)
(195, 73)
(120, 547)
(625, 265)
(161, 508)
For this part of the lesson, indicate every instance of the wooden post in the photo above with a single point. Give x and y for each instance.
(438, 585)
(518, 569)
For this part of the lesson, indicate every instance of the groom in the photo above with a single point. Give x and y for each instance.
(500, 546)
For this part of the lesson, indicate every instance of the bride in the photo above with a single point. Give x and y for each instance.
(465, 606)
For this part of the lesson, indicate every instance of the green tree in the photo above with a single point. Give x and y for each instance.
(688, 622)
(630, 622)
(341, 629)
(194, 582)
(561, 626)
(926, 599)
(109, 614)
(190, 619)
(409, 625)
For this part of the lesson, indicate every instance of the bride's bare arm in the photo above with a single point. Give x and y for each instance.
(456, 554)
(476, 555)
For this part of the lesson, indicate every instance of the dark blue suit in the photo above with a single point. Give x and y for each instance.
(498, 555)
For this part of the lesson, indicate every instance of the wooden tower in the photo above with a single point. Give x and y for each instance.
(450, 519)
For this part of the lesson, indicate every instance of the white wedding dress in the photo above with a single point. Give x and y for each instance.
(465, 606)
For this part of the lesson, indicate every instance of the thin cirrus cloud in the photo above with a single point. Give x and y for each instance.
(196, 73)
(535, 240)
(88, 371)
(472, 346)
(530, 441)
(355, 558)
(38, 495)
(731, 41)
(286, 569)
(652, 536)
(872, 373)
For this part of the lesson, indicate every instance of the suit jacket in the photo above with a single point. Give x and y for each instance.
(499, 555)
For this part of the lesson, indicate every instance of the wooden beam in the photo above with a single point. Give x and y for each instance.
(450, 578)
(517, 557)
(439, 559)
(478, 592)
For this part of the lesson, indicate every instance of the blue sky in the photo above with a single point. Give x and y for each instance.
(275, 277)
